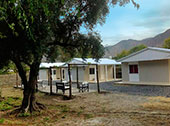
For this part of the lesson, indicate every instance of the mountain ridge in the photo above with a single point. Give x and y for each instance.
(156, 41)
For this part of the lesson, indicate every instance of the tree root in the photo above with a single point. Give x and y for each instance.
(41, 106)
(15, 112)
(36, 107)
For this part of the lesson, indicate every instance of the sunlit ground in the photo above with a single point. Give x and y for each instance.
(87, 109)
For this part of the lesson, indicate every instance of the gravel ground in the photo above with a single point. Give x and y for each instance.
(130, 89)
(134, 90)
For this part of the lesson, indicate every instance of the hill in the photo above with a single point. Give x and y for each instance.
(156, 41)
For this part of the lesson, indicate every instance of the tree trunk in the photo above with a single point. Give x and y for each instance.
(28, 98)
(29, 102)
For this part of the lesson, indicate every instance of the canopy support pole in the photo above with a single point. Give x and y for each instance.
(61, 75)
(114, 72)
(70, 82)
(97, 76)
(50, 72)
(77, 77)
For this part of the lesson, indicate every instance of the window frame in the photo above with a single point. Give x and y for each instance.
(133, 69)
(92, 72)
(54, 72)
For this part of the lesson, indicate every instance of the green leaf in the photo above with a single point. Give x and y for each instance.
(2, 120)
(32, 19)
(62, 2)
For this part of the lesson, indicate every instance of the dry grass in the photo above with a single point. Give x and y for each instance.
(157, 104)
(9, 91)
(58, 110)
(91, 109)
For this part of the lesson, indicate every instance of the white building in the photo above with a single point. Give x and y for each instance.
(148, 66)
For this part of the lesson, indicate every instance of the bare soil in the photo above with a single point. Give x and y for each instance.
(91, 109)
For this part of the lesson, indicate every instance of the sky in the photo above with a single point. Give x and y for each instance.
(122, 23)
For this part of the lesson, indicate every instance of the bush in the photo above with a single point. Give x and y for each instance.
(2, 120)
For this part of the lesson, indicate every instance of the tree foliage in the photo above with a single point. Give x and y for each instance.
(124, 2)
(132, 50)
(122, 54)
(167, 43)
(137, 48)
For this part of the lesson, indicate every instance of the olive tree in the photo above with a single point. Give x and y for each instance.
(31, 29)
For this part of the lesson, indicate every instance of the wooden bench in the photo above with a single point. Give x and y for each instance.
(62, 86)
(84, 86)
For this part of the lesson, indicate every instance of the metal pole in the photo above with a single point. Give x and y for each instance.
(106, 73)
(70, 82)
(50, 72)
(61, 75)
(114, 72)
(77, 77)
(48, 76)
(97, 76)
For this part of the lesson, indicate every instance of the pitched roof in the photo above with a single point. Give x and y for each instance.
(147, 54)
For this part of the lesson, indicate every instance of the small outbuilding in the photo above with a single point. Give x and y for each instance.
(148, 66)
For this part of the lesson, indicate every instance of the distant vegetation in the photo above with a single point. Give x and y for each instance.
(10, 68)
(128, 52)
(167, 43)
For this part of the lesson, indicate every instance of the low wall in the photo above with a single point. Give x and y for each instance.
(9, 79)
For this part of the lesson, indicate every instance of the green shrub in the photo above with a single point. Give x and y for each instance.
(2, 120)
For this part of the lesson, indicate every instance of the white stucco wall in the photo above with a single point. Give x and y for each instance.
(154, 71)
(150, 71)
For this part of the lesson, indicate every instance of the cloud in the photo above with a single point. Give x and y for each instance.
(126, 23)
(156, 18)
(153, 21)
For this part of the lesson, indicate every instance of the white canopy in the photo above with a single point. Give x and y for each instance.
(48, 65)
(102, 61)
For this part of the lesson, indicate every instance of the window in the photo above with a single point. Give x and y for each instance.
(133, 69)
(118, 71)
(54, 72)
(91, 70)
(63, 74)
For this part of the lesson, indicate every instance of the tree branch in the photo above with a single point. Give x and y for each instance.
(62, 44)
(22, 72)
